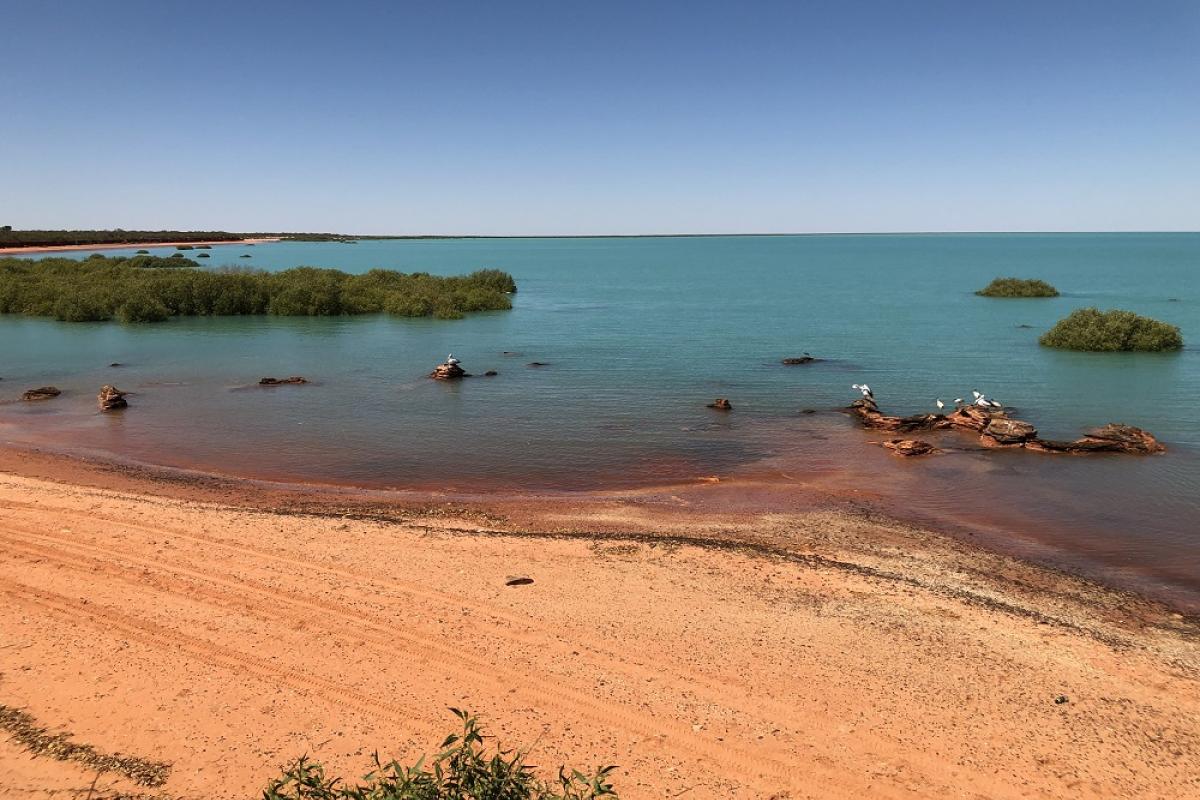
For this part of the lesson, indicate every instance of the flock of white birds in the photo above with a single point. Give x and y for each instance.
(980, 399)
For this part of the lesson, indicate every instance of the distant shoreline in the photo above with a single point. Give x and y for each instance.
(355, 238)
(8, 251)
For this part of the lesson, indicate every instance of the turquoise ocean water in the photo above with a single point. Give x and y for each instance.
(638, 334)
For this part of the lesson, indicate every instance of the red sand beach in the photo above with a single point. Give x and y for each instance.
(224, 627)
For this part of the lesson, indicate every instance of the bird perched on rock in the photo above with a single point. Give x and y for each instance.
(984, 402)
(866, 390)
(940, 404)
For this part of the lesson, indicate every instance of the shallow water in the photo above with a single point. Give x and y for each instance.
(638, 335)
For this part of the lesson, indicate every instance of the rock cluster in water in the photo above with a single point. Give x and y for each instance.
(41, 393)
(997, 429)
(111, 398)
(721, 404)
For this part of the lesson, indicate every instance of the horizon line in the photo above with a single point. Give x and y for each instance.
(761, 233)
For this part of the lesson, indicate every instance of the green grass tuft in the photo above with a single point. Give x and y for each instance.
(1112, 331)
(1018, 287)
(462, 770)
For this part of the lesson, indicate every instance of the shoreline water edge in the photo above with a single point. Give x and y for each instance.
(660, 630)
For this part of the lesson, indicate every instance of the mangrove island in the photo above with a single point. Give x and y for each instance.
(1018, 287)
(1112, 331)
(152, 289)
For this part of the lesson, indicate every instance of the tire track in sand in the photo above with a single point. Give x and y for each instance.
(717, 689)
(753, 764)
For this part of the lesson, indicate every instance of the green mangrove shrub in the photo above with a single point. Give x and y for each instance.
(1110, 331)
(464, 769)
(1018, 287)
(147, 288)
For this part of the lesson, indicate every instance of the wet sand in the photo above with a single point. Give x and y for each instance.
(16, 251)
(711, 650)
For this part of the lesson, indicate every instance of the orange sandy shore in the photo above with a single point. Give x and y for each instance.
(225, 627)
(15, 251)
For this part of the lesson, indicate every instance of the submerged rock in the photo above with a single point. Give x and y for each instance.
(111, 398)
(721, 404)
(491, 373)
(41, 393)
(804, 359)
(537, 364)
(910, 447)
(295, 379)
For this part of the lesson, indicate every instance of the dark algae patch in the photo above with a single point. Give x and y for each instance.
(1018, 287)
(39, 741)
(1112, 331)
(151, 289)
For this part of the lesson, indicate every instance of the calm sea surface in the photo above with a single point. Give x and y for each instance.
(638, 334)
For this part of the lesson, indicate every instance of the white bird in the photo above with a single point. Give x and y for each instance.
(977, 393)
(940, 404)
(958, 401)
(866, 390)
(984, 402)
(451, 360)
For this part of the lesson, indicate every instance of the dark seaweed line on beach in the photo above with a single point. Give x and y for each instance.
(38, 740)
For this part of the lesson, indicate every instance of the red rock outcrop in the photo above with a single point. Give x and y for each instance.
(1111, 438)
(997, 429)
(910, 447)
(448, 372)
(1004, 432)
(111, 398)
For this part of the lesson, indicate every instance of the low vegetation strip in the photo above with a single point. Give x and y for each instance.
(1112, 331)
(1018, 287)
(11, 238)
(463, 770)
(152, 289)
(38, 740)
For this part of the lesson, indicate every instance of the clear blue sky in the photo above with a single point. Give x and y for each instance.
(565, 117)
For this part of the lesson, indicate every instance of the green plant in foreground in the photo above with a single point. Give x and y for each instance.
(1018, 287)
(1112, 331)
(463, 770)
